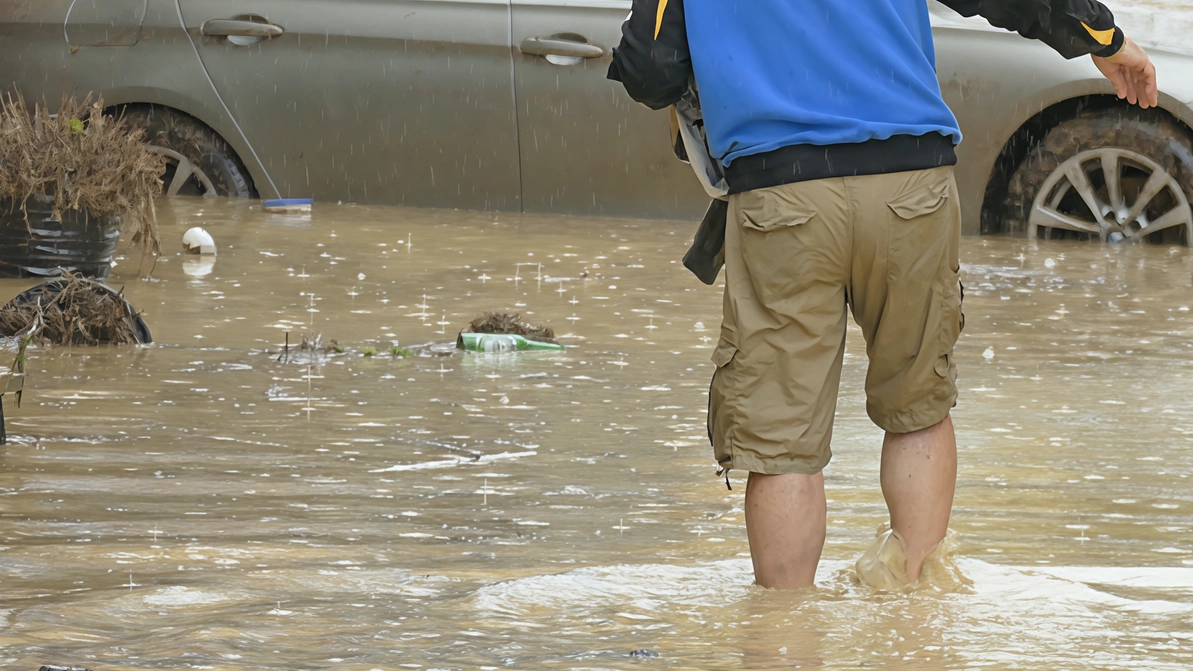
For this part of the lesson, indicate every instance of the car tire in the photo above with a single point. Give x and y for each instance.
(208, 166)
(1139, 143)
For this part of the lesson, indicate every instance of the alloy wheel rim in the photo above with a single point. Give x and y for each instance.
(1121, 196)
(184, 172)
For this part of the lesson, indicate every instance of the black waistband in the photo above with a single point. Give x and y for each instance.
(806, 162)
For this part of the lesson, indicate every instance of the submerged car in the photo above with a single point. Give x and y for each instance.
(505, 106)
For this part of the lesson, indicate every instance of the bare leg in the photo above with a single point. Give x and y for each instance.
(919, 474)
(785, 520)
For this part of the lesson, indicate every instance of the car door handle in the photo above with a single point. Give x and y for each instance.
(554, 46)
(240, 28)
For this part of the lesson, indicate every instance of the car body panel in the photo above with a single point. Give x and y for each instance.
(1176, 83)
(105, 23)
(162, 68)
(995, 81)
(432, 102)
(990, 108)
(406, 102)
(586, 147)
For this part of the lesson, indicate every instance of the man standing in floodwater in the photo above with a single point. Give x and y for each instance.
(838, 152)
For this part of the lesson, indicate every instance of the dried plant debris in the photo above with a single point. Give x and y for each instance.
(309, 349)
(72, 310)
(85, 160)
(498, 322)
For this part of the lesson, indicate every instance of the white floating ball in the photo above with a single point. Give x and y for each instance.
(198, 241)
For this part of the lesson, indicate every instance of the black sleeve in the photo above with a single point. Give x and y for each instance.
(652, 60)
(1071, 27)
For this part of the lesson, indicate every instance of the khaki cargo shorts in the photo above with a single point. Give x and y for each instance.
(796, 257)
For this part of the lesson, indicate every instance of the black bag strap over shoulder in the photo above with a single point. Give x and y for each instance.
(655, 66)
(652, 61)
(707, 253)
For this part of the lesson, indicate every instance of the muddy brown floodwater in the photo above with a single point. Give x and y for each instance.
(197, 504)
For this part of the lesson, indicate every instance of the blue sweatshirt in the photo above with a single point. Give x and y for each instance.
(777, 73)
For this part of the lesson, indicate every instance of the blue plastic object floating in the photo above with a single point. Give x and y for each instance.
(289, 205)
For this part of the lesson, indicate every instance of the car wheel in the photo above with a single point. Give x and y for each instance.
(198, 161)
(1110, 175)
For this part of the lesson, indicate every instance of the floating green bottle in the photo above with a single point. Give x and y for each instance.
(503, 342)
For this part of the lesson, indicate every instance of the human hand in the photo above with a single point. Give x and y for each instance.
(1132, 73)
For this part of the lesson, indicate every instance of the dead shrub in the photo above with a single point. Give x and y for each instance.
(73, 310)
(85, 160)
(497, 322)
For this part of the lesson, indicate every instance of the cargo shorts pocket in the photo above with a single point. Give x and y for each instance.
(952, 321)
(723, 354)
(921, 230)
(772, 237)
(922, 201)
(720, 395)
(779, 246)
(776, 221)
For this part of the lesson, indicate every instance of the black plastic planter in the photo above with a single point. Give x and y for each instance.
(47, 291)
(40, 246)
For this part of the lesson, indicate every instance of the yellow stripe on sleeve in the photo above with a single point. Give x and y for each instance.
(1104, 37)
(658, 24)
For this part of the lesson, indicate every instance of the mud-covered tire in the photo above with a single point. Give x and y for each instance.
(1151, 133)
(219, 171)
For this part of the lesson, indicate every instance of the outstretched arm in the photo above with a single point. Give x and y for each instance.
(1132, 73)
(1075, 28)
